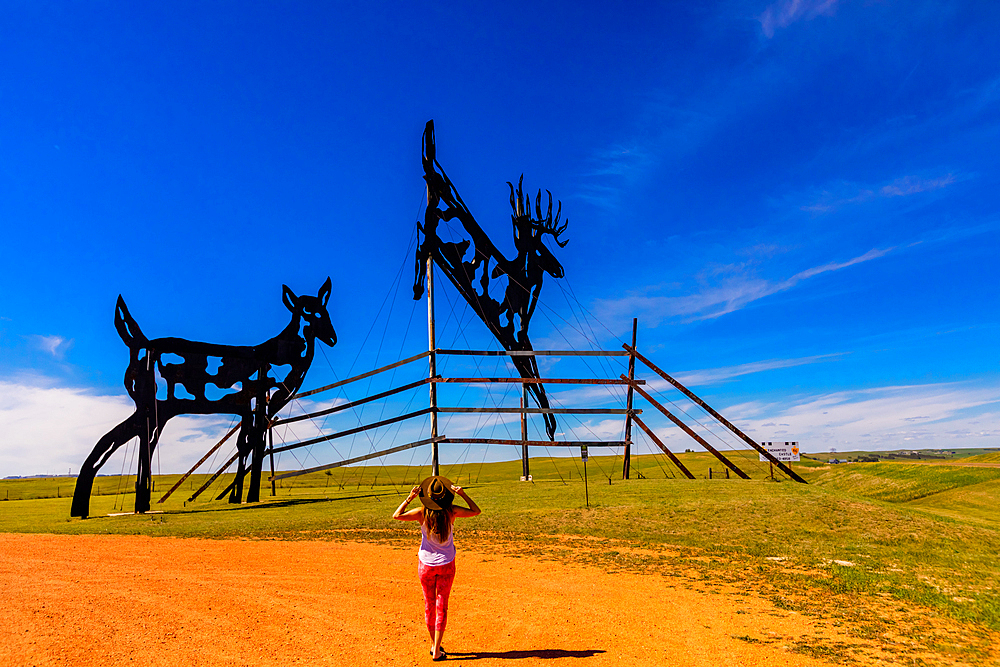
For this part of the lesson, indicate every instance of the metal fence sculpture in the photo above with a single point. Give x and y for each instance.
(252, 382)
(524, 273)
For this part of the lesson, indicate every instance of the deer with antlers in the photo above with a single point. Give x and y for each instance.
(533, 258)
(467, 264)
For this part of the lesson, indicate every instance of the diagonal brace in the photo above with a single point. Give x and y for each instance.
(649, 432)
(701, 441)
(725, 422)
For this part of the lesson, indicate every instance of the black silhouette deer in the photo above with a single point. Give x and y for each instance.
(524, 273)
(253, 382)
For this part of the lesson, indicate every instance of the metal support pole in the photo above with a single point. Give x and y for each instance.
(524, 433)
(144, 474)
(435, 469)
(627, 463)
(270, 438)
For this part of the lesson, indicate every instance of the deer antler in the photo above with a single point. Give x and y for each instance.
(548, 226)
(520, 204)
(519, 208)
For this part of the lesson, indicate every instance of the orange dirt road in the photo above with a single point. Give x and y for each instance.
(111, 600)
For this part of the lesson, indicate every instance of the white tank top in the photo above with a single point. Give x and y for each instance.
(433, 552)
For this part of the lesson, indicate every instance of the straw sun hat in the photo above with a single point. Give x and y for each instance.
(436, 493)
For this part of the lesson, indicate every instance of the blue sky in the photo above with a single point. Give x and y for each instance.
(797, 199)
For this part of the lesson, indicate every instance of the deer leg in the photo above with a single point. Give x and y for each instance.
(236, 497)
(256, 465)
(255, 444)
(256, 437)
(143, 477)
(543, 402)
(102, 451)
(528, 368)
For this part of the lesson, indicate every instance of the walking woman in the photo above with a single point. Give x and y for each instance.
(437, 548)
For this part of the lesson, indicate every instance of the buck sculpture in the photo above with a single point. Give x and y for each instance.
(524, 273)
(205, 378)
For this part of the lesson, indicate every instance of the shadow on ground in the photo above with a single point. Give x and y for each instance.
(545, 654)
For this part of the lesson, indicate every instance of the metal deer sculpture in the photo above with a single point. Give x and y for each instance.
(467, 265)
(253, 382)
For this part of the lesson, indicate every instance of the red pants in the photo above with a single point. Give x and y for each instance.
(436, 581)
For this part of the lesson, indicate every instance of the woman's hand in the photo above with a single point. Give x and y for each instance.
(412, 515)
(464, 512)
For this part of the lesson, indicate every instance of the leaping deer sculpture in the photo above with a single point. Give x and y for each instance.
(167, 377)
(468, 265)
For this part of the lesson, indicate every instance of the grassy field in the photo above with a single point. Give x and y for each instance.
(968, 454)
(990, 457)
(902, 482)
(915, 533)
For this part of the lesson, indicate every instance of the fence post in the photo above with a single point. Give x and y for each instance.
(627, 463)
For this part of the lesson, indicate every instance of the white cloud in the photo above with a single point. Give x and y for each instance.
(735, 291)
(783, 13)
(912, 416)
(57, 346)
(50, 430)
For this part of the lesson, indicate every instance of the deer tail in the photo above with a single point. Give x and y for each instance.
(127, 327)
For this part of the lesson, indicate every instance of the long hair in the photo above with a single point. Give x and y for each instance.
(438, 523)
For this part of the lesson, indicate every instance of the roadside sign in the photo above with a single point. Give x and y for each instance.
(583, 453)
(786, 452)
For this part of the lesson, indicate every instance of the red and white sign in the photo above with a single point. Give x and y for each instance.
(786, 452)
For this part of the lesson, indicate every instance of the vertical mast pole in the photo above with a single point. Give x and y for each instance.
(627, 463)
(524, 433)
(270, 439)
(435, 469)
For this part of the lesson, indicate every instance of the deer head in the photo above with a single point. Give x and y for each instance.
(313, 310)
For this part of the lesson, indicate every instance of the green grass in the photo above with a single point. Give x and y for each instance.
(908, 455)
(900, 482)
(919, 534)
(991, 457)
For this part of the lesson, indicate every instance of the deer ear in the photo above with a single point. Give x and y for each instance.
(324, 291)
(288, 298)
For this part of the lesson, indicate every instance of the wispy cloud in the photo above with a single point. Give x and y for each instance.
(57, 346)
(714, 375)
(901, 187)
(602, 183)
(614, 396)
(735, 291)
(783, 13)
(910, 185)
(617, 161)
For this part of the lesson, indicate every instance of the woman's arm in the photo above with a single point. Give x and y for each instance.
(413, 515)
(465, 512)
